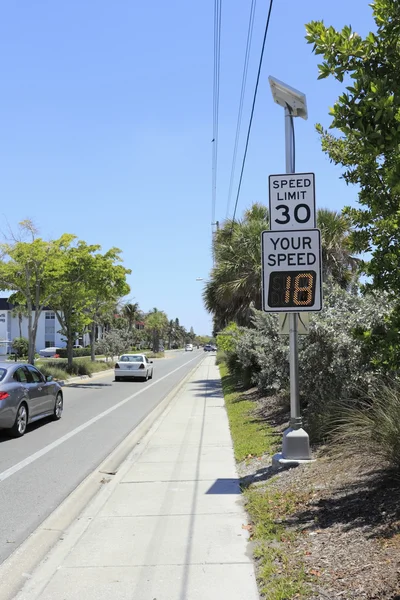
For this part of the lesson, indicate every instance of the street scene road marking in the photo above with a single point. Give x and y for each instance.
(33, 457)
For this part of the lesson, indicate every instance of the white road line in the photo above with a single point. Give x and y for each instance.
(30, 459)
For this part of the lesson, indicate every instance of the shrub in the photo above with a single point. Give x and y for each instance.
(114, 343)
(56, 372)
(333, 364)
(79, 367)
(77, 352)
(372, 428)
(20, 345)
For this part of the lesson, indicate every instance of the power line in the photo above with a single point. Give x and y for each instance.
(252, 110)
(217, 54)
(242, 93)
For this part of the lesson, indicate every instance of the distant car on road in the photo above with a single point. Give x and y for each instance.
(207, 348)
(133, 366)
(189, 348)
(26, 395)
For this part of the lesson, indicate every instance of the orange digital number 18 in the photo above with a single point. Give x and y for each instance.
(302, 295)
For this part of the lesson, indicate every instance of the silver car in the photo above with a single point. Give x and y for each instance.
(26, 395)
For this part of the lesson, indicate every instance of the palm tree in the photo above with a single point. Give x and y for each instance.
(131, 313)
(235, 283)
(337, 262)
(20, 311)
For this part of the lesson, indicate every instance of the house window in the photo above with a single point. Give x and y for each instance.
(49, 330)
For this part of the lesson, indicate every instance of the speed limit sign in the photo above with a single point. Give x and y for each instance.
(292, 201)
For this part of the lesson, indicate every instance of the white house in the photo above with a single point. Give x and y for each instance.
(47, 333)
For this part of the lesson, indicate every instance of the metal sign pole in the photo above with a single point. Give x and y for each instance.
(295, 417)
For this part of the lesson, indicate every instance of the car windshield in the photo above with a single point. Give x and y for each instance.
(134, 358)
(3, 373)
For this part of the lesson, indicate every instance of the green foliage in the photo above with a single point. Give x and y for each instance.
(235, 281)
(250, 436)
(88, 281)
(77, 352)
(21, 345)
(225, 339)
(114, 343)
(157, 323)
(333, 361)
(56, 372)
(78, 367)
(372, 428)
(29, 269)
(367, 115)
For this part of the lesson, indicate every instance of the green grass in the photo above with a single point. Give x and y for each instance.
(281, 572)
(250, 436)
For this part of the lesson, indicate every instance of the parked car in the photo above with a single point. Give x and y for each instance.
(189, 348)
(26, 395)
(133, 366)
(48, 352)
(207, 348)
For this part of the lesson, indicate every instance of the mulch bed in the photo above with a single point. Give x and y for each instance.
(348, 519)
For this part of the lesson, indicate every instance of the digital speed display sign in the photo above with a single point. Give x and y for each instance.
(291, 271)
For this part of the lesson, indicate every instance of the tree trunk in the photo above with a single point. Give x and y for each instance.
(70, 351)
(20, 324)
(92, 335)
(32, 331)
(155, 341)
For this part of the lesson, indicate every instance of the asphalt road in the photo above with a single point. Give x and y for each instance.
(39, 470)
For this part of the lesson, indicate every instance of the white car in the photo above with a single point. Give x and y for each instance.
(189, 348)
(133, 366)
(48, 352)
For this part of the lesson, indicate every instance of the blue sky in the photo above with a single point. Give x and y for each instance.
(106, 126)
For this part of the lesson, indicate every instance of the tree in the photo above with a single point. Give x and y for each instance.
(89, 281)
(337, 262)
(114, 343)
(21, 346)
(20, 311)
(106, 283)
(131, 312)
(235, 283)
(367, 116)
(29, 269)
(171, 333)
(157, 323)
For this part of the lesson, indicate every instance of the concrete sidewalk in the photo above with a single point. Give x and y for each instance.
(170, 524)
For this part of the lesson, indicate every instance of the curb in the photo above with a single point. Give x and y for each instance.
(18, 568)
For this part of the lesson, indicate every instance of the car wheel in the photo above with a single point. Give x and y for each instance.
(118, 379)
(58, 407)
(21, 421)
